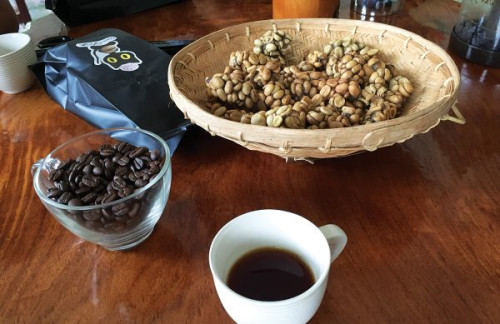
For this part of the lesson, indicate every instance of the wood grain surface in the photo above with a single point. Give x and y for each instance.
(422, 217)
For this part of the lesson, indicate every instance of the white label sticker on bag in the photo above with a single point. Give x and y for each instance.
(106, 51)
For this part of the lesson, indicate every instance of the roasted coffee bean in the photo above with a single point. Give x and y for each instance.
(65, 197)
(154, 169)
(123, 161)
(121, 171)
(127, 191)
(141, 183)
(155, 154)
(92, 215)
(55, 174)
(98, 170)
(87, 169)
(109, 197)
(90, 180)
(134, 210)
(119, 183)
(120, 209)
(106, 212)
(89, 198)
(63, 185)
(54, 193)
(137, 152)
(114, 227)
(107, 152)
(78, 179)
(64, 165)
(72, 176)
(138, 163)
(83, 190)
(98, 199)
(82, 157)
(132, 177)
(75, 202)
(93, 225)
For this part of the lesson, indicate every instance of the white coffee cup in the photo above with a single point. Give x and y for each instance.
(318, 247)
(16, 54)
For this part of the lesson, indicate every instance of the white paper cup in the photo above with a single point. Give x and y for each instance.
(318, 247)
(16, 54)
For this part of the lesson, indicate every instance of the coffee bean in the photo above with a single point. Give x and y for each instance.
(65, 197)
(118, 183)
(63, 165)
(82, 157)
(109, 197)
(87, 169)
(123, 161)
(92, 215)
(106, 212)
(135, 208)
(121, 171)
(55, 174)
(141, 183)
(54, 193)
(155, 154)
(98, 170)
(107, 152)
(120, 209)
(75, 202)
(63, 185)
(89, 198)
(137, 152)
(83, 190)
(90, 180)
(138, 163)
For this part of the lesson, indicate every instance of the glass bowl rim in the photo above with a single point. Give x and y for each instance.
(106, 131)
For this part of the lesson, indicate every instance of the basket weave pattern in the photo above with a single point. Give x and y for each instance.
(432, 72)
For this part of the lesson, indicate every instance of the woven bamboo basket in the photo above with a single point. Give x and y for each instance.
(432, 72)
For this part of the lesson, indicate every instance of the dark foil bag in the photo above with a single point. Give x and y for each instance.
(110, 79)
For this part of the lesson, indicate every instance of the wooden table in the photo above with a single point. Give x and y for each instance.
(422, 217)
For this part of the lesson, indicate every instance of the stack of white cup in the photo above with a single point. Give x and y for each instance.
(16, 54)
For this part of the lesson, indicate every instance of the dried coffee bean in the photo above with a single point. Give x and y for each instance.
(64, 198)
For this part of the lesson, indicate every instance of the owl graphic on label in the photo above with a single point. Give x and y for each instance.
(106, 51)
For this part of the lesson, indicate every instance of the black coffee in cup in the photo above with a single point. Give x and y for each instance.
(270, 274)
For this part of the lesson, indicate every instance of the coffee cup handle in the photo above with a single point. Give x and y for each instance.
(336, 238)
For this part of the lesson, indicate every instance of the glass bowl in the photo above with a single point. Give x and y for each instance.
(114, 224)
